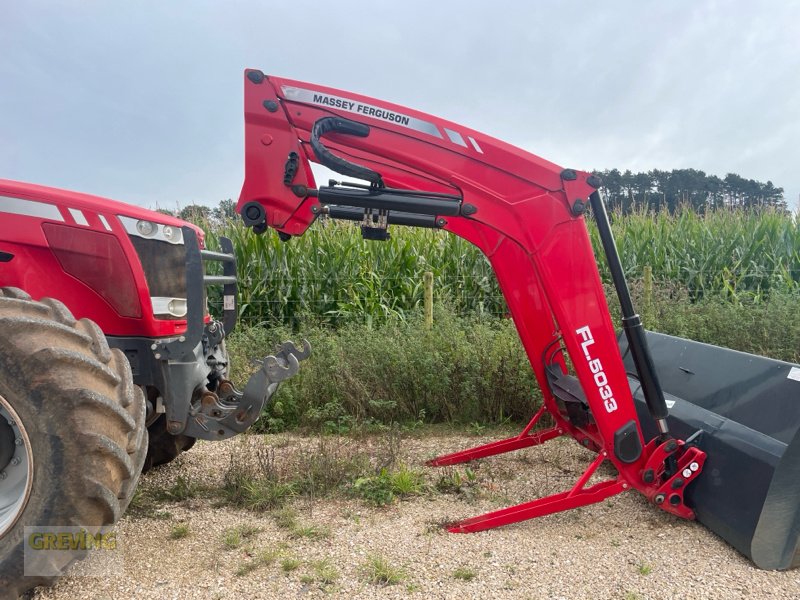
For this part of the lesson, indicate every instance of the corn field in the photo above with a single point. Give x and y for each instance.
(330, 274)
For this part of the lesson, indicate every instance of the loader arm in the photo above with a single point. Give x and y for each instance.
(527, 216)
(525, 213)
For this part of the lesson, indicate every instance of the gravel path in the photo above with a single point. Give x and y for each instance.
(623, 548)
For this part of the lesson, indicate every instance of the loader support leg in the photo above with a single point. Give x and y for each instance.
(577, 496)
(523, 440)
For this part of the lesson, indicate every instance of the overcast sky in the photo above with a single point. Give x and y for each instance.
(142, 101)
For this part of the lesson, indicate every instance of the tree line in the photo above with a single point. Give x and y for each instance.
(658, 190)
(626, 191)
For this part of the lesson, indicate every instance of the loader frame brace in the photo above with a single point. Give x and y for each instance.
(526, 215)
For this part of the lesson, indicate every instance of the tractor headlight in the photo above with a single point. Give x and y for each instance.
(174, 307)
(146, 228)
(142, 228)
(172, 234)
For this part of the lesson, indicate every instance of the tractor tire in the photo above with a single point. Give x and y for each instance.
(77, 421)
(163, 446)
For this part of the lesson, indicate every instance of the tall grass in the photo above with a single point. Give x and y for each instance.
(331, 274)
(471, 370)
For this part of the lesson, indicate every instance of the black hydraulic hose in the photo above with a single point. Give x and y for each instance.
(342, 126)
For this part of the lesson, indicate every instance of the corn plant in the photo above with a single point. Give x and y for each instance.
(331, 275)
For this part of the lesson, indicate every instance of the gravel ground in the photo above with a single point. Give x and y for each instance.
(622, 548)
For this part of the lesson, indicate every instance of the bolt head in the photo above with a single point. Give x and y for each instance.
(15, 461)
(154, 346)
(659, 499)
(18, 441)
(694, 466)
(2, 475)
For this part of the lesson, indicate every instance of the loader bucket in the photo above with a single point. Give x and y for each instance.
(747, 409)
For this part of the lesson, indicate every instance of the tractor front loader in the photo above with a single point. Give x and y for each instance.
(110, 364)
(703, 432)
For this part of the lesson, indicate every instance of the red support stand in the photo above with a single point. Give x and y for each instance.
(577, 496)
(523, 440)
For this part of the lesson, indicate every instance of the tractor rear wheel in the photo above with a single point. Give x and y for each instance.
(72, 430)
(164, 447)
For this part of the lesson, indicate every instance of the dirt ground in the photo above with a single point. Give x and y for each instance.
(622, 548)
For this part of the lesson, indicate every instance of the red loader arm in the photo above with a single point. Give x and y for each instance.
(526, 214)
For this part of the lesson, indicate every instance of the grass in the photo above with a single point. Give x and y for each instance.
(386, 486)
(325, 572)
(644, 569)
(290, 564)
(380, 571)
(260, 559)
(179, 531)
(464, 574)
(256, 480)
(233, 537)
(184, 488)
(314, 532)
(465, 370)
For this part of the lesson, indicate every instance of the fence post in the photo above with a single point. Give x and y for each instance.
(428, 279)
(647, 292)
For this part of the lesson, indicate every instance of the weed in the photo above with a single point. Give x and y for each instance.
(179, 531)
(464, 574)
(248, 486)
(376, 489)
(329, 466)
(261, 558)
(476, 428)
(383, 488)
(325, 571)
(234, 536)
(452, 481)
(247, 567)
(290, 564)
(183, 489)
(314, 532)
(144, 506)
(645, 569)
(406, 482)
(286, 518)
(379, 571)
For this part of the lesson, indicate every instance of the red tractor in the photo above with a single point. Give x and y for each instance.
(110, 361)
